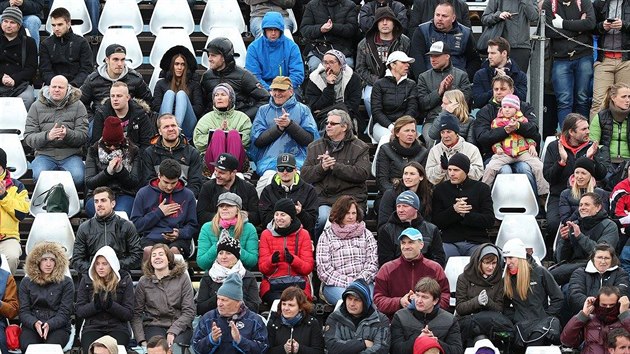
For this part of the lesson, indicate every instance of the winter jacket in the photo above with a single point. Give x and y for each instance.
(210, 192)
(207, 296)
(113, 231)
(138, 124)
(344, 16)
(602, 13)
(465, 129)
(49, 299)
(96, 86)
(45, 113)
(369, 65)
(395, 278)
(166, 302)
(303, 262)
(574, 26)
(459, 40)
(267, 141)
(8, 292)
(590, 333)
(422, 11)
(21, 70)
(436, 174)
(352, 169)
(408, 323)
(473, 226)
(28, 7)
(610, 133)
(300, 191)
(392, 158)
(125, 182)
(211, 121)
(14, 206)
(195, 94)
(486, 136)
(389, 244)
(152, 223)
(471, 282)
(321, 97)
(586, 281)
(392, 99)
(429, 100)
(482, 81)
(267, 59)
(69, 55)
(568, 205)
(516, 29)
(258, 8)
(307, 332)
(387, 205)
(252, 329)
(343, 258)
(207, 250)
(620, 201)
(514, 144)
(342, 335)
(184, 153)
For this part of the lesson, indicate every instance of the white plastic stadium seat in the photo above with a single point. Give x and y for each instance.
(53, 227)
(292, 18)
(125, 13)
(78, 12)
(13, 114)
(384, 139)
(126, 37)
(455, 267)
(512, 194)
(172, 14)
(155, 77)
(122, 214)
(524, 227)
(548, 140)
(551, 349)
(46, 180)
(165, 40)
(222, 13)
(16, 158)
(44, 349)
(240, 52)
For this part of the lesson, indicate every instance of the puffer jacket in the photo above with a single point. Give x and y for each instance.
(14, 206)
(594, 230)
(471, 282)
(393, 99)
(429, 100)
(344, 16)
(236, 120)
(516, 30)
(123, 182)
(620, 201)
(207, 250)
(408, 323)
(342, 335)
(207, 296)
(590, 333)
(307, 332)
(166, 302)
(615, 135)
(586, 281)
(69, 55)
(113, 231)
(321, 96)
(45, 113)
(579, 29)
(436, 174)
(138, 124)
(368, 16)
(569, 206)
(602, 12)
(96, 86)
(49, 299)
(195, 94)
(482, 81)
(389, 244)
(392, 158)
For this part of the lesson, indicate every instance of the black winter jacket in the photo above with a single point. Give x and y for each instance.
(367, 12)
(11, 58)
(586, 281)
(139, 129)
(207, 295)
(96, 87)
(391, 160)
(52, 303)
(123, 182)
(300, 192)
(342, 335)
(407, 325)
(602, 8)
(307, 332)
(343, 14)
(482, 83)
(573, 26)
(322, 98)
(195, 94)
(69, 55)
(210, 191)
(113, 231)
(392, 100)
(422, 11)
(593, 231)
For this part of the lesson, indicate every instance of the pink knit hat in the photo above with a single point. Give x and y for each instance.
(511, 101)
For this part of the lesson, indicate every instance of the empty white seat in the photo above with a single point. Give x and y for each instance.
(52, 227)
(524, 227)
(548, 140)
(44, 349)
(455, 267)
(165, 40)
(78, 12)
(16, 159)
(231, 33)
(222, 13)
(551, 349)
(5, 263)
(122, 214)
(127, 38)
(385, 138)
(293, 20)
(172, 14)
(154, 78)
(46, 180)
(288, 34)
(13, 114)
(338, 304)
(125, 13)
(512, 194)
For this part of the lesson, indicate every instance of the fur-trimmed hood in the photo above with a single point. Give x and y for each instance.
(72, 96)
(32, 263)
(179, 269)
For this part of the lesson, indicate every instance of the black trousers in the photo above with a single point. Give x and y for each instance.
(30, 336)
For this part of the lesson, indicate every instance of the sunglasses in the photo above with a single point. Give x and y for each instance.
(285, 168)
(332, 123)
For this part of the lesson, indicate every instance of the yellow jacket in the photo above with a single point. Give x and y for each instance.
(14, 206)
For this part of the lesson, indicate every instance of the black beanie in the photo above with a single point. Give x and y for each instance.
(448, 121)
(460, 160)
(231, 245)
(585, 163)
(3, 159)
(286, 206)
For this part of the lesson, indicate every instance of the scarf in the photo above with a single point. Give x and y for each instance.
(607, 315)
(218, 273)
(291, 322)
(227, 223)
(348, 231)
(338, 85)
(619, 115)
(104, 156)
(293, 227)
(413, 150)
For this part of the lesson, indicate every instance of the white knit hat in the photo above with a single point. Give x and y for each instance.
(514, 248)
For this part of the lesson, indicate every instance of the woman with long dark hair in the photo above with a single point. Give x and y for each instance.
(414, 178)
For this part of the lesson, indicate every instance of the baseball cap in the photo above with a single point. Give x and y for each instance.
(438, 48)
(399, 56)
(281, 83)
(226, 162)
(115, 48)
(287, 160)
(413, 233)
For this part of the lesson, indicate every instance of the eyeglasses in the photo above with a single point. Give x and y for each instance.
(332, 123)
(285, 168)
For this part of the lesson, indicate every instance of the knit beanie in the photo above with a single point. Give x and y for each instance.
(225, 87)
(585, 163)
(511, 101)
(460, 160)
(286, 206)
(232, 287)
(410, 198)
(113, 131)
(422, 344)
(12, 13)
(359, 289)
(3, 159)
(231, 245)
(514, 248)
(449, 121)
(339, 55)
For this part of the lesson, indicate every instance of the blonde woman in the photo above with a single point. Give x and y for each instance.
(454, 102)
(581, 182)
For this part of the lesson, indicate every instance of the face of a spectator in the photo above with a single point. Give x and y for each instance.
(59, 26)
(409, 248)
(582, 177)
(216, 61)
(272, 33)
(226, 259)
(286, 176)
(103, 205)
(488, 265)
(119, 97)
(280, 97)
(102, 267)
(115, 64)
(501, 89)
(179, 66)
(602, 261)
(331, 64)
(588, 207)
(456, 175)
(579, 135)
(496, 59)
(169, 129)
(354, 305)
(622, 99)
(334, 129)
(385, 25)
(47, 265)
(159, 261)
(221, 99)
(622, 346)
(351, 215)
(399, 68)
(443, 18)
(511, 263)
(156, 350)
(424, 302)
(448, 137)
(290, 308)
(227, 211)
(411, 177)
(508, 112)
(10, 27)
(281, 219)
(58, 88)
(100, 350)
(167, 185)
(407, 134)
(226, 306)
(440, 61)
(224, 178)
(406, 212)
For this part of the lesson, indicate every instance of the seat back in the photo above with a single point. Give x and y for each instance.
(455, 267)
(53, 227)
(13, 114)
(222, 13)
(231, 33)
(543, 152)
(165, 40)
(154, 78)
(44, 349)
(125, 13)
(384, 139)
(122, 214)
(524, 227)
(550, 349)
(125, 37)
(46, 180)
(172, 14)
(512, 194)
(78, 13)
(16, 159)
(293, 19)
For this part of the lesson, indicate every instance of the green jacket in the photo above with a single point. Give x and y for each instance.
(207, 250)
(213, 119)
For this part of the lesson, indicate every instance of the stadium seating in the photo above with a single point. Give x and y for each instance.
(125, 13)
(125, 37)
(46, 180)
(79, 13)
(13, 115)
(16, 159)
(526, 228)
(512, 194)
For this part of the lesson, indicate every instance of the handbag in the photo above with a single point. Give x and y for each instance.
(55, 199)
(547, 329)
(12, 333)
(490, 32)
(278, 284)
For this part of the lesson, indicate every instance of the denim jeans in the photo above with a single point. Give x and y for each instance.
(332, 294)
(33, 23)
(123, 203)
(179, 104)
(367, 99)
(521, 167)
(255, 24)
(324, 213)
(572, 85)
(463, 248)
(94, 10)
(73, 164)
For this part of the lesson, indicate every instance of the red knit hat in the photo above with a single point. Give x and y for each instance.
(113, 131)
(422, 344)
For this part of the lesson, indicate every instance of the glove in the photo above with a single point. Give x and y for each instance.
(482, 298)
(288, 256)
(275, 257)
(444, 161)
(557, 21)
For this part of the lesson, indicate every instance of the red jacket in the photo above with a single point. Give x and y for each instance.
(397, 277)
(620, 199)
(302, 263)
(591, 331)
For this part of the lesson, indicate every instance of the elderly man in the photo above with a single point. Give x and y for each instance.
(335, 165)
(14, 205)
(56, 128)
(231, 327)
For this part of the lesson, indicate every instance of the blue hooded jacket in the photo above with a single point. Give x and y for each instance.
(267, 59)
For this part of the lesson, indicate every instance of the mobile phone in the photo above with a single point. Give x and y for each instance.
(609, 20)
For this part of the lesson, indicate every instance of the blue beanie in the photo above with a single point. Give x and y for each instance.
(232, 287)
(360, 289)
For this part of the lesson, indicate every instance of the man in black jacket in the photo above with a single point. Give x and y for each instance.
(64, 53)
(422, 11)
(106, 228)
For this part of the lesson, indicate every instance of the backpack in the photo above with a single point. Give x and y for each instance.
(55, 199)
